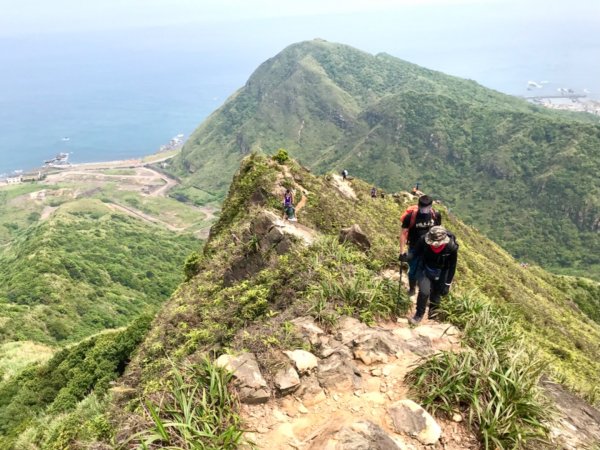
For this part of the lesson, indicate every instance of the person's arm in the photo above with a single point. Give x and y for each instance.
(451, 267)
(404, 233)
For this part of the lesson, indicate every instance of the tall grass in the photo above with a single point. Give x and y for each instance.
(347, 281)
(198, 412)
(493, 380)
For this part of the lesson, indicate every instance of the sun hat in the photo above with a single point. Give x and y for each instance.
(437, 236)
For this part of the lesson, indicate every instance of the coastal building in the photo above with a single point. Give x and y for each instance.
(14, 180)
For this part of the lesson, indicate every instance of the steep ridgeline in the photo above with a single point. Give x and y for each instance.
(83, 270)
(525, 175)
(317, 330)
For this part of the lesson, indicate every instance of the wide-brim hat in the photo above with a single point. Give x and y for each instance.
(437, 236)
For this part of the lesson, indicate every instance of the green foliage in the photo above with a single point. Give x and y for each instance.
(197, 412)
(68, 378)
(489, 156)
(281, 156)
(494, 380)
(191, 265)
(84, 270)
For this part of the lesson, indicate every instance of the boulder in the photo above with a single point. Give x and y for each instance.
(409, 418)
(248, 380)
(287, 380)
(361, 435)
(355, 236)
(303, 360)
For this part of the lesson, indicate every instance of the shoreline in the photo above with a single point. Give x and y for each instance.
(97, 165)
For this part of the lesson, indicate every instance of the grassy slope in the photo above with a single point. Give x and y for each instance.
(245, 293)
(208, 315)
(83, 270)
(519, 172)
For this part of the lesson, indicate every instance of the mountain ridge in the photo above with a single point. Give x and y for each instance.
(394, 123)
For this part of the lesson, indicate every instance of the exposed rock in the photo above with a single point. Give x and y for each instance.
(355, 236)
(287, 380)
(338, 372)
(309, 329)
(250, 383)
(577, 424)
(408, 417)
(362, 435)
(303, 360)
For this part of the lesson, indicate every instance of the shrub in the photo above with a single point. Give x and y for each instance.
(281, 156)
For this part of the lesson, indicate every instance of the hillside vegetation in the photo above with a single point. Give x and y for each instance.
(250, 282)
(525, 175)
(83, 270)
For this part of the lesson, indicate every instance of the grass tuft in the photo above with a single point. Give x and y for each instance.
(493, 381)
(196, 412)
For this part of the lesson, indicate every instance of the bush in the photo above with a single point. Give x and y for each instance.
(281, 156)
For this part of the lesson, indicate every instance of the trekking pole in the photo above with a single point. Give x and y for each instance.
(399, 287)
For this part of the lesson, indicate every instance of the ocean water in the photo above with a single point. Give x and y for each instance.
(121, 94)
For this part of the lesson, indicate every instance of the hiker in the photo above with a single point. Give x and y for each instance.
(416, 222)
(345, 174)
(437, 254)
(415, 190)
(288, 205)
(373, 192)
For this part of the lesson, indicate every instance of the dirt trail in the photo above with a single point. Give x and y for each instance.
(343, 186)
(310, 417)
(143, 216)
(47, 212)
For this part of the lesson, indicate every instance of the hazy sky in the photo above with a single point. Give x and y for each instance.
(42, 16)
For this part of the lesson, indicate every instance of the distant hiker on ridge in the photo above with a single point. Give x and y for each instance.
(437, 253)
(415, 190)
(416, 222)
(373, 192)
(288, 206)
(345, 174)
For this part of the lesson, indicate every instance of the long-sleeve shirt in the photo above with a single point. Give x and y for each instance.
(444, 261)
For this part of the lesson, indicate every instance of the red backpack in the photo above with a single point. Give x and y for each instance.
(413, 218)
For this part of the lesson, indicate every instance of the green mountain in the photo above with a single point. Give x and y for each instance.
(257, 275)
(525, 175)
(83, 270)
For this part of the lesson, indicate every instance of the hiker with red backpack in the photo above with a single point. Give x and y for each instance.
(436, 253)
(416, 222)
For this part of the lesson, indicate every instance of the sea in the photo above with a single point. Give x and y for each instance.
(117, 94)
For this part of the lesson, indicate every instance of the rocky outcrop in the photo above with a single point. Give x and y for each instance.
(355, 236)
(251, 386)
(409, 418)
(361, 435)
(349, 392)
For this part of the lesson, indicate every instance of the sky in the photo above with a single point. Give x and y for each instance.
(21, 17)
(123, 76)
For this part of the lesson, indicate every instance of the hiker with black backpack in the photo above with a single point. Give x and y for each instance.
(437, 253)
(416, 222)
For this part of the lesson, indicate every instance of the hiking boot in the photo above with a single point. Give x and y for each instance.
(432, 315)
(415, 320)
(412, 291)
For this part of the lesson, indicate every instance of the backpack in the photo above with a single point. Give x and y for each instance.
(413, 210)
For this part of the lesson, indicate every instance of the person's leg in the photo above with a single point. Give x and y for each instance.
(434, 300)
(424, 292)
(412, 273)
